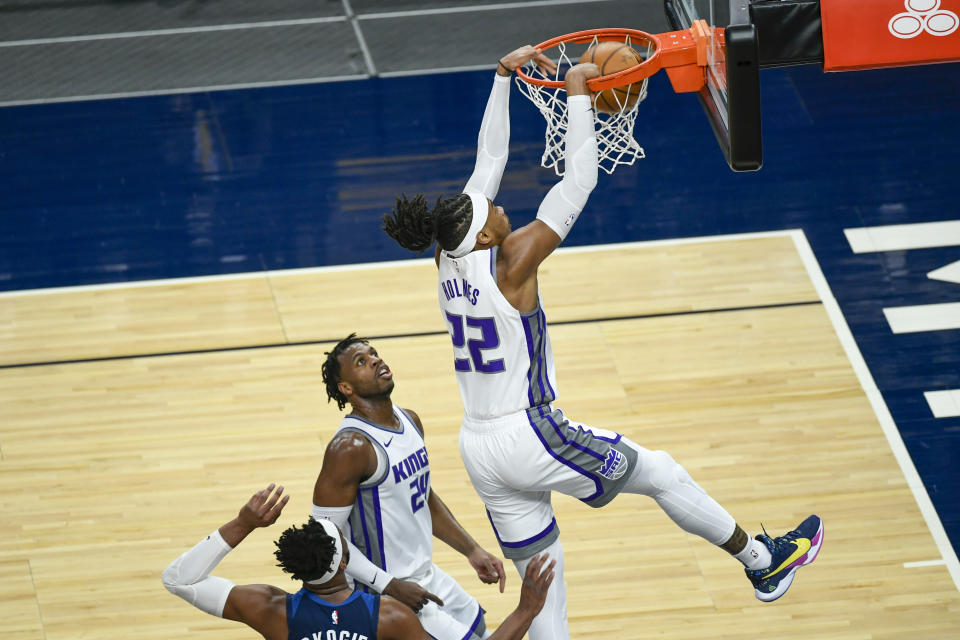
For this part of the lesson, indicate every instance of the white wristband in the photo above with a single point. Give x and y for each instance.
(359, 567)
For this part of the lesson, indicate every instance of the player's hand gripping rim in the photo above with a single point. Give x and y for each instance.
(509, 63)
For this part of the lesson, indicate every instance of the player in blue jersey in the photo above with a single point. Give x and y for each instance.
(325, 608)
(516, 445)
(375, 485)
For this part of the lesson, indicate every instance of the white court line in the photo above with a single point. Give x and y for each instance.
(416, 13)
(179, 90)
(421, 72)
(358, 33)
(943, 404)
(267, 24)
(923, 563)
(253, 275)
(949, 273)
(900, 237)
(172, 32)
(243, 85)
(880, 408)
(923, 317)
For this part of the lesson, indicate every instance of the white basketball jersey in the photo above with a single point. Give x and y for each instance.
(502, 357)
(390, 521)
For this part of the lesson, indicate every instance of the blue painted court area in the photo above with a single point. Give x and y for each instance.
(238, 181)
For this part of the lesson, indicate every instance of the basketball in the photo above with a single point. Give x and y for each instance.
(612, 57)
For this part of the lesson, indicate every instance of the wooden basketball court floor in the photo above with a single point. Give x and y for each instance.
(164, 405)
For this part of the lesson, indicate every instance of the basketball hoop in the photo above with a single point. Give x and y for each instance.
(682, 53)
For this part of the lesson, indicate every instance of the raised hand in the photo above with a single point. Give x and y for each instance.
(264, 507)
(508, 63)
(410, 594)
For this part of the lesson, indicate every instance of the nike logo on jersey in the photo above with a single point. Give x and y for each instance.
(387, 443)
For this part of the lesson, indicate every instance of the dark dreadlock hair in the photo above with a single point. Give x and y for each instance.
(305, 552)
(331, 368)
(416, 229)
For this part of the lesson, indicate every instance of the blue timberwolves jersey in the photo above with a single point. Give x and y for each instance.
(311, 618)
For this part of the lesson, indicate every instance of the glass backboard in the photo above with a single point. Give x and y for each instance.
(731, 96)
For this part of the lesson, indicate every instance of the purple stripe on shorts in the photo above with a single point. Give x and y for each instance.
(476, 623)
(574, 466)
(575, 445)
(591, 432)
(521, 543)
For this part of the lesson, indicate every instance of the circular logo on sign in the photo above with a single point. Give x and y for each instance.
(923, 15)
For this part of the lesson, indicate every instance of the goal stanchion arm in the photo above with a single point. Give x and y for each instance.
(683, 55)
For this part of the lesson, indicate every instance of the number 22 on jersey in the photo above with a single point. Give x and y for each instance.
(488, 339)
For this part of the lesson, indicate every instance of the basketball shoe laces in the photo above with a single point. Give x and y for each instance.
(775, 544)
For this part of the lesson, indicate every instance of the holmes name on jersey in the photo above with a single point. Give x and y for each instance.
(459, 288)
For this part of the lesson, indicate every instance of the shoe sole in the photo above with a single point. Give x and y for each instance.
(815, 543)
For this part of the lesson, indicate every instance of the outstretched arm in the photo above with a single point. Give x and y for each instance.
(189, 575)
(397, 622)
(524, 249)
(494, 140)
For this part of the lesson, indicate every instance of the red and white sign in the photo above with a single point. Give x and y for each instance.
(866, 34)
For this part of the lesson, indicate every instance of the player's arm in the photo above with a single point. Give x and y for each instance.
(398, 623)
(349, 460)
(489, 568)
(260, 606)
(524, 249)
(493, 142)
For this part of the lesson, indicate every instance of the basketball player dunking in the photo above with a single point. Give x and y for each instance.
(375, 484)
(516, 445)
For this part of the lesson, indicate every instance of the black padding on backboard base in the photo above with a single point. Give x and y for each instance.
(788, 32)
(743, 97)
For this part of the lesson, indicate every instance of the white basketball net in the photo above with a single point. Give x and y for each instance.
(615, 142)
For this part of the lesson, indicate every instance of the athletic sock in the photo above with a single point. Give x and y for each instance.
(755, 555)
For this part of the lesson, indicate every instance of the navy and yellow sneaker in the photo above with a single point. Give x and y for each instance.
(790, 552)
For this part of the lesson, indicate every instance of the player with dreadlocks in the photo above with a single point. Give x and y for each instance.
(325, 607)
(376, 477)
(516, 445)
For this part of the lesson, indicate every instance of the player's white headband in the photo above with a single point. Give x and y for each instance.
(481, 208)
(331, 530)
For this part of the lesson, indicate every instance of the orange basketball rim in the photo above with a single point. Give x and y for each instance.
(683, 54)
